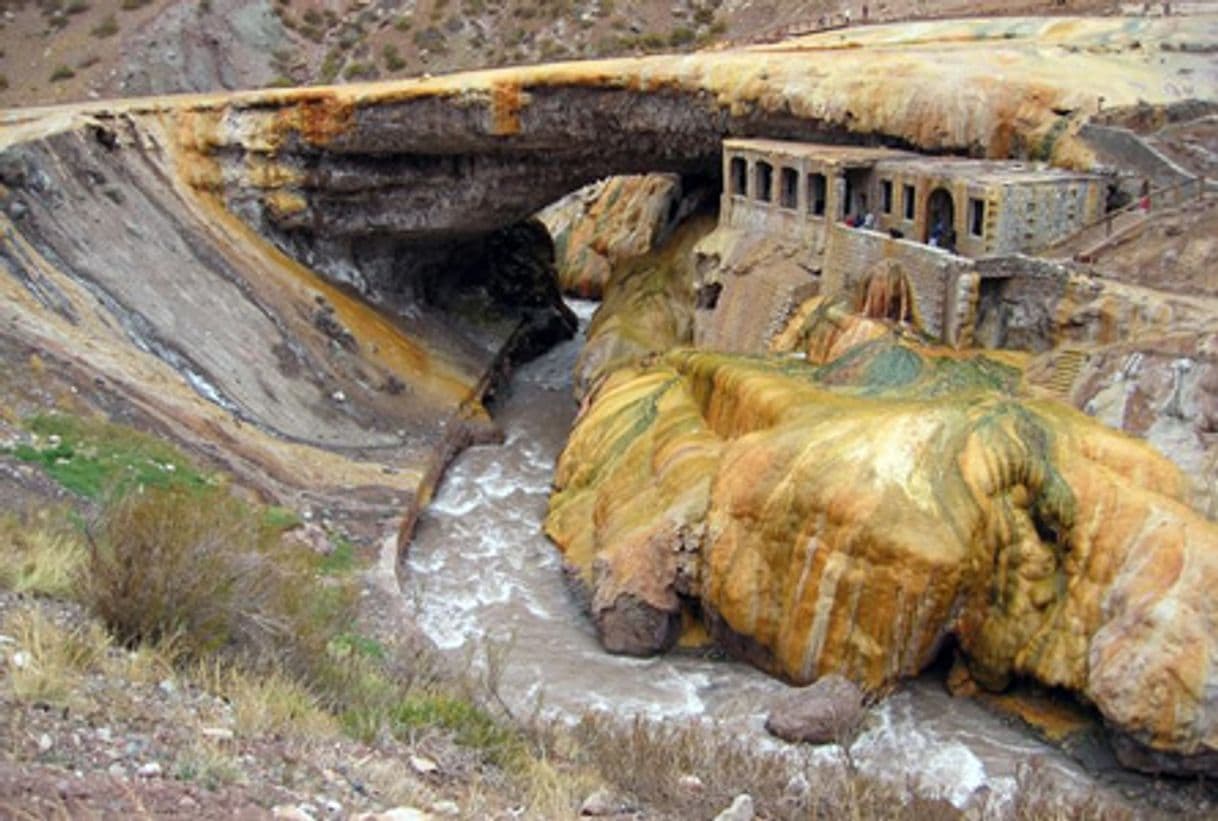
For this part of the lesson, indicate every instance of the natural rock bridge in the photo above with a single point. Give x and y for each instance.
(396, 189)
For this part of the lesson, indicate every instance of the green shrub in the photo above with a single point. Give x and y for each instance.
(359, 71)
(106, 28)
(429, 38)
(341, 560)
(393, 58)
(76, 7)
(331, 65)
(62, 72)
(652, 41)
(3, 82)
(681, 36)
(470, 725)
(132, 5)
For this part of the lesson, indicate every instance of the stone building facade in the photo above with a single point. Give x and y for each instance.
(843, 209)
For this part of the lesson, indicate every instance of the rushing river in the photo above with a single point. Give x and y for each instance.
(480, 569)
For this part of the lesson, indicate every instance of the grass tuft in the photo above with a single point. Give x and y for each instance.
(270, 703)
(49, 660)
(37, 559)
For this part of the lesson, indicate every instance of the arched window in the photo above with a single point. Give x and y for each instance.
(739, 177)
(764, 179)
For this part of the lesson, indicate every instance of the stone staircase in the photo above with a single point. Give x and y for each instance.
(1067, 364)
(1091, 240)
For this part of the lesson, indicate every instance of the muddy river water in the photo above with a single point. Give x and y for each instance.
(480, 569)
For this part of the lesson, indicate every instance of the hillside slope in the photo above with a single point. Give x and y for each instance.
(66, 50)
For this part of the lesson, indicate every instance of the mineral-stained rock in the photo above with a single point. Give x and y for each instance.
(599, 227)
(851, 517)
(824, 712)
(647, 307)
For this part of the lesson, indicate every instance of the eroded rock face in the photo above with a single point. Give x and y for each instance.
(608, 223)
(123, 274)
(851, 517)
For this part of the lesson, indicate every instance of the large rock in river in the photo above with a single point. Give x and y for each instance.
(851, 517)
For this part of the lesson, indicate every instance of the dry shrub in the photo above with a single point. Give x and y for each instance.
(200, 568)
(652, 761)
(648, 759)
(268, 704)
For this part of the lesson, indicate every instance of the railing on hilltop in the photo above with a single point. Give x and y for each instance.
(833, 21)
(1165, 196)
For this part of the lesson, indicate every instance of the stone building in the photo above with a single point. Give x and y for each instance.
(842, 210)
(989, 207)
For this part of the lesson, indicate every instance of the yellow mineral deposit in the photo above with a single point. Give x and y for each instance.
(853, 529)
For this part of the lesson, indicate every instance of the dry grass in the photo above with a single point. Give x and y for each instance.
(267, 704)
(39, 559)
(47, 661)
(147, 663)
(553, 788)
(695, 769)
(207, 763)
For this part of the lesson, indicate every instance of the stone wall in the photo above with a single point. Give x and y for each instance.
(1032, 217)
(1019, 302)
(1121, 148)
(757, 280)
(851, 253)
(1017, 216)
(794, 225)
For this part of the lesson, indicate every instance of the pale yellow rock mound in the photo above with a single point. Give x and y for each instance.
(852, 517)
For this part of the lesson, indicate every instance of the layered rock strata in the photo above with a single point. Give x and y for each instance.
(120, 273)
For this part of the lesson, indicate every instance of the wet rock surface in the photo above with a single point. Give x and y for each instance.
(827, 711)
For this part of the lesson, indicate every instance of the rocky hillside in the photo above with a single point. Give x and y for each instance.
(63, 50)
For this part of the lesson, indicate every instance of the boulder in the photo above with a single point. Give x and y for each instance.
(825, 712)
(606, 224)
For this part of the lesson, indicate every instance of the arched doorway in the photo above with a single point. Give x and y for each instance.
(940, 218)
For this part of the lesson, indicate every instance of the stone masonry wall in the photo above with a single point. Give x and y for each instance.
(1035, 216)
(1019, 309)
(851, 253)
